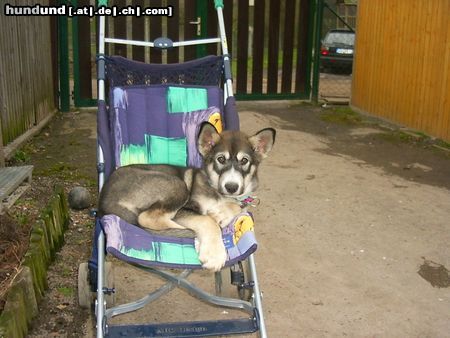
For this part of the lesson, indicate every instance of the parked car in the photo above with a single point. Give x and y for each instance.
(336, 53)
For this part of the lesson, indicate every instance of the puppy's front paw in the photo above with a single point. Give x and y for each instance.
(212, 253)
(224, 220)
(225, 214)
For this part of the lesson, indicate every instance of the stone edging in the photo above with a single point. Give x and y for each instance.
(28, 287)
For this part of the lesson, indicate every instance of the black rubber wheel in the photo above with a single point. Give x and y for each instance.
(85, 296)
(224, 287)
(110, 284)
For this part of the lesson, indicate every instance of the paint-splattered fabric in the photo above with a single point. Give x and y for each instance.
(159, 124)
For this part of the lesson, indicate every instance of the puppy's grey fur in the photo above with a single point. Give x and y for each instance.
(159, 197)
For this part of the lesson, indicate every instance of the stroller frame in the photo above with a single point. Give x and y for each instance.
(97, 266)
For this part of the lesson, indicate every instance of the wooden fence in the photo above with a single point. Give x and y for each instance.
(26, 72)
(402, 63)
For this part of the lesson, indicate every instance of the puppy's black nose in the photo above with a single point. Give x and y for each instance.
(231, 187)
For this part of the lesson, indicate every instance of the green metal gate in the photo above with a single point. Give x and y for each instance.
(270, 42)
(332, 74)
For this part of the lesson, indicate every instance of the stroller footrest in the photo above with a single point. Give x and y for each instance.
(187, 329)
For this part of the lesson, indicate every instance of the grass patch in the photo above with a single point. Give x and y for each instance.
(346, 116)
(20, 156)
(66, 272)
(342, 115)
(66, 291)
(29, 203)
(398, 137)
(59, 169)
(443, 144)
(415, 138)
(23, 155)
(22, 219)
(66, 172)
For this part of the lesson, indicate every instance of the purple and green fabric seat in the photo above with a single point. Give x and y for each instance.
(158, 124)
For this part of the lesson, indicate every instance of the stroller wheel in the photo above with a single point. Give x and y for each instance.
(85, 296)
(233, 282)
(110, 284)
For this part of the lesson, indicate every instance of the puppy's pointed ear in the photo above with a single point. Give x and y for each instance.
(262, 142)
(207, 138)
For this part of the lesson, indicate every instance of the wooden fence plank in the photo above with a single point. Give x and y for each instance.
(155, 32)
(302, 46)
(54, 52)
(258, 47)
(2, 93)
(274, 32)
(45, 103)
(4, 43)
(288, 46)
(389, 50)
(173, 31)
(120, 31)
(212, 27)
(31, 82)
(21, 83)
(84, 52)
(138, 32)
(433, 75)
(2, 156)
(242, 52)
(444, 119)
(228, 21)
(190, 30)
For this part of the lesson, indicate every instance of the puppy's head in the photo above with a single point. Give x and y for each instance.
(231, 159)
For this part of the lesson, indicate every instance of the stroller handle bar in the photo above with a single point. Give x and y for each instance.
(152, 44)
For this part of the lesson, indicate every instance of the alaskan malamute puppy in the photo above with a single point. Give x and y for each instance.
(161, 197)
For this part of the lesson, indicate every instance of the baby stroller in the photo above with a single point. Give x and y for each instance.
(152, 116)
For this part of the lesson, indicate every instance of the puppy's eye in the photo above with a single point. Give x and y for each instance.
(221, 159)
(244, 161)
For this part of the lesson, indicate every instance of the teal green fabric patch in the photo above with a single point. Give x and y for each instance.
(165, 253)
(183, 100)
(155, 150)
(168, 150)
(134, 154)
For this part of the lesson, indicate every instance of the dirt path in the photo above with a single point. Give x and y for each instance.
(348, 214)
(343, 229)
